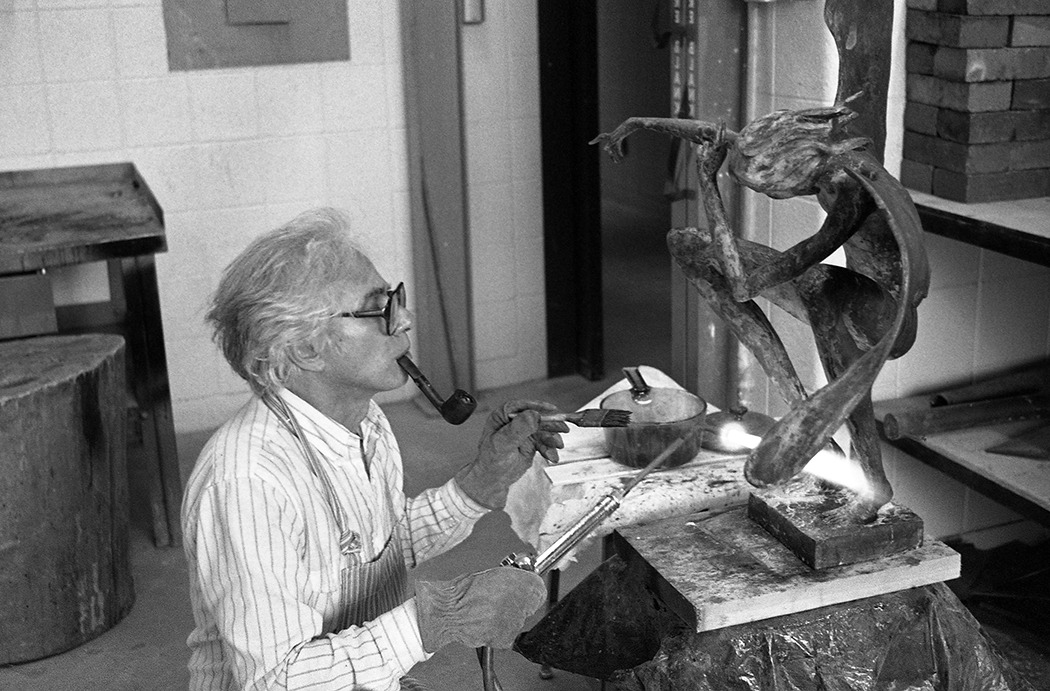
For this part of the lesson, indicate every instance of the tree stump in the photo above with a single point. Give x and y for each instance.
(65, 575)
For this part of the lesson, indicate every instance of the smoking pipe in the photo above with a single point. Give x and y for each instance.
(456, 409)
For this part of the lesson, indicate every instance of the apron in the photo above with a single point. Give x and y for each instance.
(376, 588)
(367, 589)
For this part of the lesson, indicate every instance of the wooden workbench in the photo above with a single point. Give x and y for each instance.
(706, 561)
(58, 217)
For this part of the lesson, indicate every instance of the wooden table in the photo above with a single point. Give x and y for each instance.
(63, 216)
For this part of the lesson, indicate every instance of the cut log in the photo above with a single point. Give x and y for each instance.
(65, 576)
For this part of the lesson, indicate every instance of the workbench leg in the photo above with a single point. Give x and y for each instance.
(146, 336)
(553, 584)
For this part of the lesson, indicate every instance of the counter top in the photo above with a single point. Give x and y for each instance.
(1018, 228)
(1022, 484)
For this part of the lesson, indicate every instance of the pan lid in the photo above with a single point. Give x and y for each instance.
(735, 430)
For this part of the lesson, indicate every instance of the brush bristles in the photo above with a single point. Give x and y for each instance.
(603, 418)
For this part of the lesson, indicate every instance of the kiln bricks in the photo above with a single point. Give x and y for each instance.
(977, 119)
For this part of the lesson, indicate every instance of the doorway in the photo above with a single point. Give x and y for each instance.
(607, 267)
(634, 78)
(708, 51)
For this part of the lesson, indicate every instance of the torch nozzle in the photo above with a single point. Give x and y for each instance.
(455, 409)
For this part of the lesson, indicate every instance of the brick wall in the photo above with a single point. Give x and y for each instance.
(977, 118)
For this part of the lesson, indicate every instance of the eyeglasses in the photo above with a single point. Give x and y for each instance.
(390, 312)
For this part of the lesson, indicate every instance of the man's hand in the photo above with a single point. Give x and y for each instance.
(484, 608)
(512, 435)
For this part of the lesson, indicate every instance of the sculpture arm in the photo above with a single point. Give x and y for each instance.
(696, 131)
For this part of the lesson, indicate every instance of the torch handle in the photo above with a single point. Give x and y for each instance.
(546, 559)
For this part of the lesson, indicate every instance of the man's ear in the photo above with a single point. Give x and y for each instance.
(306, 356)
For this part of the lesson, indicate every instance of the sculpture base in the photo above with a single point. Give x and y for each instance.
(794, 514)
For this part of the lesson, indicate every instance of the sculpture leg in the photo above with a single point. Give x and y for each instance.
(691, 249)
(868, 453)
(838, 349)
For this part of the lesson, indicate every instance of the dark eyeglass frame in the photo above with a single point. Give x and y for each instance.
(395, 302)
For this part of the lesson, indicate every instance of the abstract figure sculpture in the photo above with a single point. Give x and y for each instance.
(861, 315)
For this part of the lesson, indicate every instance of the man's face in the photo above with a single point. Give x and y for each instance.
(362, 358)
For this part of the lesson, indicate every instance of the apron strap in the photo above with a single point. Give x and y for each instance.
(349, 541)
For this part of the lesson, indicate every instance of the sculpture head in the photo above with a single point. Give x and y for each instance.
(785, 153)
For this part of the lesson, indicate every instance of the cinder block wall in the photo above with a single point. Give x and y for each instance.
(230, 153)
(505, 194)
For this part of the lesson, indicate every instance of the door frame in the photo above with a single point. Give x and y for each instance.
(438, 193)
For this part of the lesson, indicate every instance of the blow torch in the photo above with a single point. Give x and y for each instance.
(584, 526)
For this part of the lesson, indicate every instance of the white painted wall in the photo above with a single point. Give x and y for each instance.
(231, 153)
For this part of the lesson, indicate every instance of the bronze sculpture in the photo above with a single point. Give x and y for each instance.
(861, 315)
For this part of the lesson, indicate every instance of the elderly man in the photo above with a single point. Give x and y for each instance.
(298, 534)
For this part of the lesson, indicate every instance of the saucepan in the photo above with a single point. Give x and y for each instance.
(659, 416)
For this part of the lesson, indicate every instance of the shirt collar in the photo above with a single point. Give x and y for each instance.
(324, 429)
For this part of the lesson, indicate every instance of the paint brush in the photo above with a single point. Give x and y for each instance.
(591, 417)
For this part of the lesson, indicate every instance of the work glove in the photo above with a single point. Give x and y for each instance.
(511, 436)
(484, 608)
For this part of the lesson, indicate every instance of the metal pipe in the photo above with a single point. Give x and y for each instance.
(605, 507)
(581, 529)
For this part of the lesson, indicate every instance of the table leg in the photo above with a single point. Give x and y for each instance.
(145, 334)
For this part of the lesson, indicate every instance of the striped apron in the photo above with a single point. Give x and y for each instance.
(375, 588)
(372, 589)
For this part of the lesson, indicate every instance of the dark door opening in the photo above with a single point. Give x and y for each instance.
(608, 271)
(634, 78)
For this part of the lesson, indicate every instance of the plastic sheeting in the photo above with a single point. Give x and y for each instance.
(921, 639)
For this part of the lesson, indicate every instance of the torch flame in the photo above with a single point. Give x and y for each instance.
(827, 465)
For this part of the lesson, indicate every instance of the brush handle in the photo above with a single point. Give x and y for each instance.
(550, 417)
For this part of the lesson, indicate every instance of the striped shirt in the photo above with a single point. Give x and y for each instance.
(263, 553)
